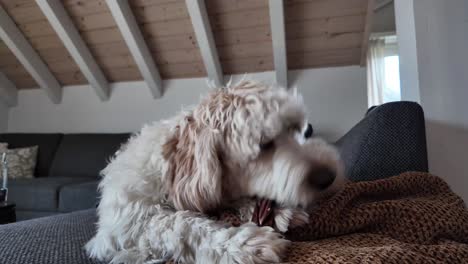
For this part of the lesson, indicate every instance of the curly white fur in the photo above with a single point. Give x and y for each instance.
(238, 142)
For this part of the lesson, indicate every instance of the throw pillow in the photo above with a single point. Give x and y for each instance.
(21, 162)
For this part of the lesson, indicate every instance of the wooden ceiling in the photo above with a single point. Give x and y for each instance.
(319, 33)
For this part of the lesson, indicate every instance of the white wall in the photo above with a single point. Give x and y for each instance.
(442, 40)
(336, 98)
(3, 117)
(130, 106)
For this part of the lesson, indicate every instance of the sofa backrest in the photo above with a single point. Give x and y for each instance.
(48, 144)
(390, 140)
(85, 155)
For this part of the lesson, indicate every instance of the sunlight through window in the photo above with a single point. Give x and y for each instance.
(392, 90)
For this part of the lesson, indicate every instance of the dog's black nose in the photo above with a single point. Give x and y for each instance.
(321, 178)
(309, 131)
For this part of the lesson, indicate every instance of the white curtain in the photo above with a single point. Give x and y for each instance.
(376, 71)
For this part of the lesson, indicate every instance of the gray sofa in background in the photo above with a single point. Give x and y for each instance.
(67, 172)
(389, 140)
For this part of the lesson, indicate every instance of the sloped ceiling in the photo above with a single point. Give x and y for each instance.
(319, 33)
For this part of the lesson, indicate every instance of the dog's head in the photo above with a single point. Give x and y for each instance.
(247, 140)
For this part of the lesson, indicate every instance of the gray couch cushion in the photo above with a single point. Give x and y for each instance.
(22, 215)
(50, 240)
(85, 155)
(39, 194)
(47, 143)
(79, 196)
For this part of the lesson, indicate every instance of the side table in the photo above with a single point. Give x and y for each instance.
(7, 212)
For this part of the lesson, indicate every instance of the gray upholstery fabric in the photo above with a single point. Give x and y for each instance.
(47, 143)
(391, 139)
(79, 196)
(40, 194)
(85, 155)
(51, 240)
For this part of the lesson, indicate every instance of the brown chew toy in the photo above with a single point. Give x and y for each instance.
(263, 214)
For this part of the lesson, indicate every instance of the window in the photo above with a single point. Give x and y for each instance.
(391, 92)
(383, 70)
(391, 88)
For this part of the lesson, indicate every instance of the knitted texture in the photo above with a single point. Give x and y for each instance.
(411, 218)
(413, 208)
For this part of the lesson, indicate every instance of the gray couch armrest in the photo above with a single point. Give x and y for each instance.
(391, 139)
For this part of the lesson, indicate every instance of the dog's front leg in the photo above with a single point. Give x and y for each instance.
(188, 237)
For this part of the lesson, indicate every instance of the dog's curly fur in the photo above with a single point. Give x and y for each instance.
(240, 141)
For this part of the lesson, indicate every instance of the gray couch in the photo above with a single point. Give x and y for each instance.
(388, 141)
(67, 172)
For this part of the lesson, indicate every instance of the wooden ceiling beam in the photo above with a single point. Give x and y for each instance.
(367, 31)
(8, 91)
(205, 39)
(135, 41)
(61, 22)
(28, 57)
(278, 37)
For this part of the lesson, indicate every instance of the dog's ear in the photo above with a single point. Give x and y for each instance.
(194, 169)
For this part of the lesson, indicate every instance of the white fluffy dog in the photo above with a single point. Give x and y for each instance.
(241, 141)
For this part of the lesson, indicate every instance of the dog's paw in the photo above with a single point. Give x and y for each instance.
(259, 245)
(286, 218)
(100, 248)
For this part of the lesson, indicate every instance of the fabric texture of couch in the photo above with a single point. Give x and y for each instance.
(388, 141)
(410, 218)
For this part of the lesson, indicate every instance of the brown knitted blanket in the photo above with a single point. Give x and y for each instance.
(411, 218)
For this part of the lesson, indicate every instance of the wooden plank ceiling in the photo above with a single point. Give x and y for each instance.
(319, 33)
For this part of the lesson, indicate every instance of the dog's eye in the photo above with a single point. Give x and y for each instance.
(267, 145)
